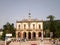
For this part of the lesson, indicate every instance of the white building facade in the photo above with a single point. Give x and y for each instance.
(29, 29)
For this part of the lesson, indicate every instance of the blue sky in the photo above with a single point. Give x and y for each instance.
(13, 10)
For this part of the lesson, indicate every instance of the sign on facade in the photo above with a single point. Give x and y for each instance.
(8, 34)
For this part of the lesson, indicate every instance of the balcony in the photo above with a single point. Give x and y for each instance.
(29, 29)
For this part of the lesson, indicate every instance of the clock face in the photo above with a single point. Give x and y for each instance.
(29, 13)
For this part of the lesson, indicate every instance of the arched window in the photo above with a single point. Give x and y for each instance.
(18, 34)
(19, 26)
(39, 26)
(33, 26)
(24, 26)
(39, 34)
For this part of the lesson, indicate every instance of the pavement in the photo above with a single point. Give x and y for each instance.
(37, 42)
(2, 42)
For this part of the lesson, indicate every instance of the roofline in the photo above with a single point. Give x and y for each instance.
(27, 21)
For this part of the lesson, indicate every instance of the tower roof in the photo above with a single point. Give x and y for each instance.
(30, 19)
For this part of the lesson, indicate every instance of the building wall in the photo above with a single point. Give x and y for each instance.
(32, 29)
(1, 33)
(31, 25)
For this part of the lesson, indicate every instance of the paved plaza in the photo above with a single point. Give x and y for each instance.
(37, 42)
(29, 42)
(2, 42)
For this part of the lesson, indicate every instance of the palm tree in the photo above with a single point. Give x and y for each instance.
(51, 17)
(51, 25)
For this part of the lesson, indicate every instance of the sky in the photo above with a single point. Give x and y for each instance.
(13, 10)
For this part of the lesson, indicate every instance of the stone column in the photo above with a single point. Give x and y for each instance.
(36, 35)
(26, 35)
(31, 35)
(22, 35)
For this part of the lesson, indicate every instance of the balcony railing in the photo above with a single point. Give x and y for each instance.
(29, 29)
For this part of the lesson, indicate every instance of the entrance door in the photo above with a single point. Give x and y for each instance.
(39, 34)
(19, 35)
(24, 35)
(34, 35)
(29, 35)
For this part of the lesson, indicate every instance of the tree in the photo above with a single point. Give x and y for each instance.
(8, 28)
(51, 24)
(51, 17)
(57, 27)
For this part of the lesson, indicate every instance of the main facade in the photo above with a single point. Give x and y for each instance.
(29, 29)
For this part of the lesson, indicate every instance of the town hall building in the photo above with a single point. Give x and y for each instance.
(29, 28)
